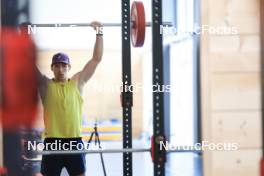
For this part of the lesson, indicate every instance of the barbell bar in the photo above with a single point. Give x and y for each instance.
(137, 150)
(137, 24)
(147, 24)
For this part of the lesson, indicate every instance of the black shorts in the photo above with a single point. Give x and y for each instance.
(52, 165)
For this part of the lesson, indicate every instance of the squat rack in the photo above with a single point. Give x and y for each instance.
(159, 156)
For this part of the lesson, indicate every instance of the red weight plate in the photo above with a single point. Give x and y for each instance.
(3, 171)
(262, 167)
(138, 24)
(19, 79)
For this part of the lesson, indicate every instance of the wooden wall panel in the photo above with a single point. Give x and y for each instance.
(235, 62)
(235, 163)
(239, 92)
(244, 15)
(230, 86)
(234, 44)
(239, 127)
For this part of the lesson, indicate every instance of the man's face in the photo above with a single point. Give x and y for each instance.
(60, 71)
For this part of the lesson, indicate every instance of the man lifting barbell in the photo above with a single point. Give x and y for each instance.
(62, 102)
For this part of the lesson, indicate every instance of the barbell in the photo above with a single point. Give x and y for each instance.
(101, 151)
(137, 24)
(158, 150)
(136, 150)
(147, 24)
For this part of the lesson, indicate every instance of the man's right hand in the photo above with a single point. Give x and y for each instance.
(97, 26)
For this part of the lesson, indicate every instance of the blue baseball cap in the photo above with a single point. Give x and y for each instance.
(60, 58)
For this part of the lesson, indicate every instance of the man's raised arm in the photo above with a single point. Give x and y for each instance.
(86, 73)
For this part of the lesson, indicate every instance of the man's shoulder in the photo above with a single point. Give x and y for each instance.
(43, 79)
(43, 83)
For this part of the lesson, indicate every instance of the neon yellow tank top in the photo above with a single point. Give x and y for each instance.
(63, 110)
